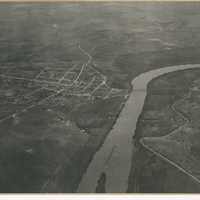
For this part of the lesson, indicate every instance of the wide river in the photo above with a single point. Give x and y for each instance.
(114, 157)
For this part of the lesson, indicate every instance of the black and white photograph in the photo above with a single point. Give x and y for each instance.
(100, 97)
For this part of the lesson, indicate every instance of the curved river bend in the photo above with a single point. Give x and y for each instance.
(114, 156)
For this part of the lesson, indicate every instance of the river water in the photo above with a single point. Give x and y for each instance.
(114, 157)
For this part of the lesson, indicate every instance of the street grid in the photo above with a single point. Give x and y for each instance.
(35, 87)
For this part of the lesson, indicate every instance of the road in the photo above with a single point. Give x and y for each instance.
(116, 164)
(186, 120)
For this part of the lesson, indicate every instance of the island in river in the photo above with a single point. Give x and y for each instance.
(113, 159)
(65, 75)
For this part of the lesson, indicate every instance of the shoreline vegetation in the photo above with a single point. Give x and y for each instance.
(158, 122)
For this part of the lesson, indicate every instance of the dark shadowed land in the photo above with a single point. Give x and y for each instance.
(65, 74)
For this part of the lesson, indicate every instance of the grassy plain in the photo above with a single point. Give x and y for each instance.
(168, 126)
(65, 73)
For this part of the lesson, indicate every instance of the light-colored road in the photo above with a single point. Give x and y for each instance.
(33, 80)
(177, 112)
(169, 161)
(116, 164)
(31, 106)
(186, 120)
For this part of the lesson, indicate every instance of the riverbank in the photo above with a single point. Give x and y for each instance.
(109, 162)
(150, 173)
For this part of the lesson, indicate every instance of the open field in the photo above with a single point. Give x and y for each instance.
(65, 74)
(168, 129)
(42, 117)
